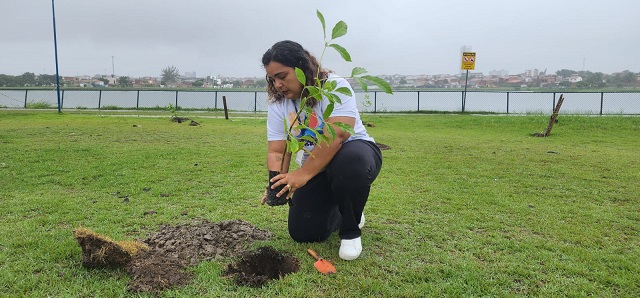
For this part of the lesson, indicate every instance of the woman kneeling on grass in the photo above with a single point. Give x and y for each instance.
(332, 184)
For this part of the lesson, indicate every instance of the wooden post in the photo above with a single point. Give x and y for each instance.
(224, 103)
(552, 120)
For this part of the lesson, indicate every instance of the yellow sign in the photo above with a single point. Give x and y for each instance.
(468, 60)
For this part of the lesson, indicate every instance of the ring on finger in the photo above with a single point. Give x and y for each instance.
(288, 186)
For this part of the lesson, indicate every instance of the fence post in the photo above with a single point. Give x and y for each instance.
(553, 107)
(176, 99)
(375, 102)
(100, 99)
(62, 100)
(418, 101)
(138, 100)
(507, 102)
(601, 102)
(26, 91)
(224, 102)
(215, 104)
(255, 101)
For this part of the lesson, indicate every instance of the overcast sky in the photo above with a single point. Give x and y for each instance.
(228, 37)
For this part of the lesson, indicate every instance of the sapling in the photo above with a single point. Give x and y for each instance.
(322, 88)
(172, 109)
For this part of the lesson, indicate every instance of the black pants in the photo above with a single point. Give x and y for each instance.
(335, 198)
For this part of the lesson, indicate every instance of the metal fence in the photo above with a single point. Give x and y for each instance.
(516, 102)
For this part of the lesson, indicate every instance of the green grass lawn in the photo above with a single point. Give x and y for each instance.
(464, 206)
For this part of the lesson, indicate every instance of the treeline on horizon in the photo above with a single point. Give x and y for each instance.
(590, 80)
(625, 78)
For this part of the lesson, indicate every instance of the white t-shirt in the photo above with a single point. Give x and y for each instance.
(287, 108)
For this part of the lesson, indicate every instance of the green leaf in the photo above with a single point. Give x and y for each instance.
(323, 138)
(345, 127)
(340, 29)
(343, 52)
(329, 86)
(299, 127)
(331, 131)
(321, 18)
(329, 110)
(308, 138)
(362, 83)
(384, 85)
(294, 146)
(301, 77)
(334, 98)
(358, 71)
(286, 129)
(344, 90)
(315, 92)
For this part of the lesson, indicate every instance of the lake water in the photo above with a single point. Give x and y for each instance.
(400, 101)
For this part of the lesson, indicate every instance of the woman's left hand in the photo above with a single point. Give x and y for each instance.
(291, 181)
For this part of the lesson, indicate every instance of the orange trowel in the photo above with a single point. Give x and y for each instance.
(324, 266)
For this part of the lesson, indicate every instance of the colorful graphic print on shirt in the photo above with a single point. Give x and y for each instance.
(315, 123)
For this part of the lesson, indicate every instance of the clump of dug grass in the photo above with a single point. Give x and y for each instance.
(100, 251)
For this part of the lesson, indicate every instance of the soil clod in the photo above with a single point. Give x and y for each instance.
(99, 251)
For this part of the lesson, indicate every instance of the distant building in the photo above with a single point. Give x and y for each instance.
(499, 73)
(532, 73)
(574, 78)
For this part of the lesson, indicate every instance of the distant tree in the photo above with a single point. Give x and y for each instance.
(124, 81)
(46, 80)
(8, 81)
(565, 73)
(583, 84)
(565, 84)
(592, 80)
(261, 83)
(170, 74)
(403, 81)
(27, 78)
(198, 83)
(629, 77)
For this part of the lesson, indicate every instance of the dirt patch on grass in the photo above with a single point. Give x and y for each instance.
(202, 241)
(179, 119)
(174, 248)
(257, 268)
(383, 146)
(162, 261)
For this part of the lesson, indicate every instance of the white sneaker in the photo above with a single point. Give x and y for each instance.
(350, 249)
(361, 224)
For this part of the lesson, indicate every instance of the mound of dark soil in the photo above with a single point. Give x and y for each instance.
(179, 119)
(383, 146)
(174, 248)
(153, 272)
(257, 268)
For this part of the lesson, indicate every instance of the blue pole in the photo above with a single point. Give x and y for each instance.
(55, 46)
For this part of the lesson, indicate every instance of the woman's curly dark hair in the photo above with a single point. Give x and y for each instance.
(292, 54)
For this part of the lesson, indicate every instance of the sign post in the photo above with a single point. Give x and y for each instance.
(468, 63)
(55, 46)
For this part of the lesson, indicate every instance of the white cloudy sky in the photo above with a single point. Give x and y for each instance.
(228, 37)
